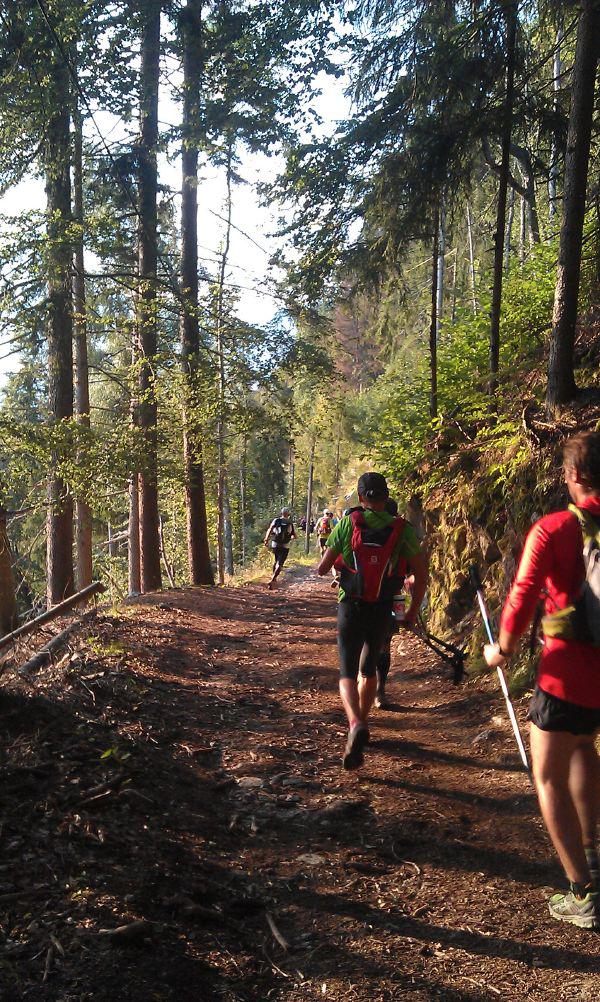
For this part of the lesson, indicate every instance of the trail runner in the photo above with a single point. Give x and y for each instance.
(324, 528)
(369, 569)
(565, 707)
(278, 537)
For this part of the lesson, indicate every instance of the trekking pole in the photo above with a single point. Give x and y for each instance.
(476, 582)
(449, 653)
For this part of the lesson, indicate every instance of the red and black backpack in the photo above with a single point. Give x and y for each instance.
(372, 579)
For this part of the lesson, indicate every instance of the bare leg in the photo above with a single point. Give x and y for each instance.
(367, 687)
(350, 700)
(552, 753)
(584, 785)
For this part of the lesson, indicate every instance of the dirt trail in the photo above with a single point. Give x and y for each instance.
(183, 768)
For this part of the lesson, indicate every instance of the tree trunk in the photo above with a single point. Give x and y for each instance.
(472, 260)
(522, 231)
(60, 583)
(441, 268)
(311, 467)
(292, 484)
(150, 569)
(510, 17)
(243, 500)
(556, 83)
(509, 226)
(8, 601)
(83, 515)
(454, 285)
(220, 324)
(523, 158)
(433, 326)
(190, 25)
(112, 546)
(227, 533)
(163, 549)
(561, 372)
(133, 553)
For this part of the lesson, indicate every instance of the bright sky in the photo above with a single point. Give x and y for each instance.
(250, 249)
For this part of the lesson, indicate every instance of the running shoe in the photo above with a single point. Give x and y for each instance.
(583, 912)
(358, 737)
(381, 702)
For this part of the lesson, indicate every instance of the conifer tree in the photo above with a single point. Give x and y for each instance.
(8, 603)
(147, 330)
(57, 163)
(190, 26)
(561, 374)
(83, 515)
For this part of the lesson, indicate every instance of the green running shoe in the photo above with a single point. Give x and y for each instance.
(583, 912)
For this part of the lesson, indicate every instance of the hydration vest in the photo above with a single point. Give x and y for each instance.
(372, 579)
(325, 527)
(581, 620)
(281, 532)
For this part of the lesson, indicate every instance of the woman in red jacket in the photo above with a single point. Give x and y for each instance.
(565, 708)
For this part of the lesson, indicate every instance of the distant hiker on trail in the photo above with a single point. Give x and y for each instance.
(561, 561)
(372, 551)
(302, 524)
(278, 537)
(324, 528)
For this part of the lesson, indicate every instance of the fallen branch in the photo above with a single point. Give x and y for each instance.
(48, 964)
(277, 935)
(53, 613)
(45, 654)
(139, 929)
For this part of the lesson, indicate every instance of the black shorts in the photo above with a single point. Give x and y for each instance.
(279, 556)
(550, 713)
(363, 629)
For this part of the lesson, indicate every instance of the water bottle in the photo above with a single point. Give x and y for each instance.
(399, 607)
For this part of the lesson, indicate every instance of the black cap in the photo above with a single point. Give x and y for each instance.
(373, 486)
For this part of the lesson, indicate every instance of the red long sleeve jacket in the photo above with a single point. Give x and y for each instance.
(552, 564)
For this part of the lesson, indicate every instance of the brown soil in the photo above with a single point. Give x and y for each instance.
(181, 769)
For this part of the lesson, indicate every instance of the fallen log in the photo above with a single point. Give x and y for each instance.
(45, 654)
(53, 613)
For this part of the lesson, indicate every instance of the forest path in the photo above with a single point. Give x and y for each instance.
(213, 719)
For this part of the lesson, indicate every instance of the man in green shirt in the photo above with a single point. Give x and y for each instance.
(363, 625)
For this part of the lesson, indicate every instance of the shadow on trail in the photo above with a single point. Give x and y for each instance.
(520, 806)
(425, 753)
(477, 944)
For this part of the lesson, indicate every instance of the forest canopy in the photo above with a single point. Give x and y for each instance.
(435, 283)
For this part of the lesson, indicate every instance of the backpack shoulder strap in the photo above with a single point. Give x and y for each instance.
(590, 526)
(357, 517)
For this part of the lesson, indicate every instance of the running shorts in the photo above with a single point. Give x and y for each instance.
(550, 713)
(279, 556)
(363, 628)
